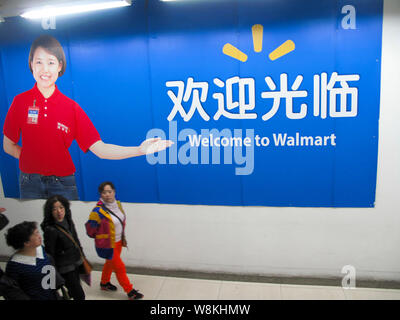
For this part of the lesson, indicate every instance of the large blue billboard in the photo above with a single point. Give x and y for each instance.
(268, 103)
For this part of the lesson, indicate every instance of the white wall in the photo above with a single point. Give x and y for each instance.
(271, 241)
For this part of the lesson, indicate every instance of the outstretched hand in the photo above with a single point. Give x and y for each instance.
(153, 145)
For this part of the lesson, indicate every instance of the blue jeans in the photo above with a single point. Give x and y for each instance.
(36, 186)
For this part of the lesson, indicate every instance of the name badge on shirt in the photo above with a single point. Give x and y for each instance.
(33, 114)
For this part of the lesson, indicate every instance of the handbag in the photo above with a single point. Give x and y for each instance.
(87, 267)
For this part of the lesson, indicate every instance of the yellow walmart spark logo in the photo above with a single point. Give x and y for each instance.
(257, 32)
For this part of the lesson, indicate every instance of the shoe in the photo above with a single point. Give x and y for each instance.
(108, 287)
(135, 295)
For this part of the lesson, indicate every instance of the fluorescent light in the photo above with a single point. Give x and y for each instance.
(53, 11)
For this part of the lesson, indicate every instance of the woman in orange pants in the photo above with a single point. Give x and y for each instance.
(107, 225)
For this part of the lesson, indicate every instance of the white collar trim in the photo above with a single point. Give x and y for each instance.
(19, 258)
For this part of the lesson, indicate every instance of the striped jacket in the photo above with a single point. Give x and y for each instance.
(101, 227)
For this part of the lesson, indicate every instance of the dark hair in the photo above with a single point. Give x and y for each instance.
(52, 46)
(19, 234)
(106, 183)
(48, 218)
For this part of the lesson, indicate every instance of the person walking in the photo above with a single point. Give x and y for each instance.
(62, 243)
(106, 225)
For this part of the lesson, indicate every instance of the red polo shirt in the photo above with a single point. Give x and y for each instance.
(48, 127)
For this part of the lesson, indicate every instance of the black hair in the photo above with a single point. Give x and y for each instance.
(48, 218)
(106, 183)
(17, 235)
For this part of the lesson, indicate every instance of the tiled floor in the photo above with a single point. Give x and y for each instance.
(169, 288)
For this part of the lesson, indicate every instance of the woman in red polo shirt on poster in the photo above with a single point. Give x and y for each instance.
(48, 122)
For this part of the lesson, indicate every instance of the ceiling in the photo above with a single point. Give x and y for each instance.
(12, 8)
